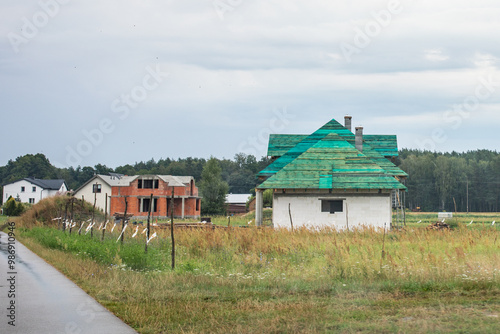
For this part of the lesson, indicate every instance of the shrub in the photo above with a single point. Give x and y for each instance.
(13, 207)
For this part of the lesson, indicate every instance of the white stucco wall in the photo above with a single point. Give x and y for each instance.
(88, 195)
(363, 209)
(15, 190)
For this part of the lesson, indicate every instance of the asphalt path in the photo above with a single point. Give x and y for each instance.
(38, 299)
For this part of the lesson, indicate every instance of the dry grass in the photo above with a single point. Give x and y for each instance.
(249, 280)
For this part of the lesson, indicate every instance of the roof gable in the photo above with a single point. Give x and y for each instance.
(331, 127)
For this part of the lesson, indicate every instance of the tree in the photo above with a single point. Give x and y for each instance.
(12, 207)
(213, 189)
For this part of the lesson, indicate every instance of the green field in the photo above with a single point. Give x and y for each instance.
(249, 280)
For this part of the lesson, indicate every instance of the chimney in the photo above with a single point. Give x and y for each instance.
(348, 122)
(359, 139)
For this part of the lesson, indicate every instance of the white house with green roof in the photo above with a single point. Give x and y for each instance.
(331, 178)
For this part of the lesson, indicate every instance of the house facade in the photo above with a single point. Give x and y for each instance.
(134, 193)
(32, 190)
(331, 178)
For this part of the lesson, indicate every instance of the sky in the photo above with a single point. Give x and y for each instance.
(121, 81)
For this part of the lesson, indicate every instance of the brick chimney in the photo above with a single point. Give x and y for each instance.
(359, 138)
(348, 122)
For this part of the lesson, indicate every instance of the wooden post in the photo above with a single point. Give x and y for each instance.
(383, 249)
(148, 224)
(105, 217)
(172, 228)
(80, 227)
(347, 215)
(290, 213)
(65, 214)
(228, 221)
(72, 216)
(124, 218)
(93, 215)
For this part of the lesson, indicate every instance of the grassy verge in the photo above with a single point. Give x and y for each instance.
(262, 280)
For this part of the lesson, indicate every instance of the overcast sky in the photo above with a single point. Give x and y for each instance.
(120, 81)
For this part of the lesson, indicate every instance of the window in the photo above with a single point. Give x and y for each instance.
(96, 188)
(332, 206)
(32, 201)
(33, 189)
(144, 204)
(198, 205)
(148, 184)
(23, 189)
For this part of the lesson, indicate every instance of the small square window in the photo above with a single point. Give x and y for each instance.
(33, 189)
(147, 184)
(332, 206)
(23, 189)
(96, 189)
(32, 201)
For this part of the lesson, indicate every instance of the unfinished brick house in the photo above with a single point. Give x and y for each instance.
(138, 189)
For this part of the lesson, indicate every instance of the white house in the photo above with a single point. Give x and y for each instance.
(99, 187)
(31, 190)
(331, 178)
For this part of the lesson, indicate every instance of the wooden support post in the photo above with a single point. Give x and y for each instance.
(72, 215)
(148, 224)
(124, 219)
(383, 248)
(172, 228)
(105, 217)
(65, 214)
(93, 215)
(347, 215)
(290, 213)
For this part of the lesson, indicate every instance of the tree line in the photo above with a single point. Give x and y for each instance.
(463, 182)
(436, 182)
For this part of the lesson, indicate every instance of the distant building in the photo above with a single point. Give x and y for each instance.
(138, 189)
(32, 190)
(237, 203)
(332, 178)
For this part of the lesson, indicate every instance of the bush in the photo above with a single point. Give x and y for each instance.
(13, 207)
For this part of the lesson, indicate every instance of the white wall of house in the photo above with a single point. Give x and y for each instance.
(88, 194)
(372, 210)
(28, 192)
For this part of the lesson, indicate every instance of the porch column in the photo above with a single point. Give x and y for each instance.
(183, 204)
(259, 207)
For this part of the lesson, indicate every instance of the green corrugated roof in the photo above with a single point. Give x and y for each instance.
(325, 160)
(331, 127)
(385, 145)
(376, 147)
(280, 144)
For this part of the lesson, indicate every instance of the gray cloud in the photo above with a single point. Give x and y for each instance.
(227, 76)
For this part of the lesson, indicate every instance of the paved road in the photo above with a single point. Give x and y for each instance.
(46, 301)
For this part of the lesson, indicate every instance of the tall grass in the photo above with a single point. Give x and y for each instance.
(252, 280)
(415, 255)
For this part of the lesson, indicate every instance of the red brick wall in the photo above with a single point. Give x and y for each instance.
(133, 193)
